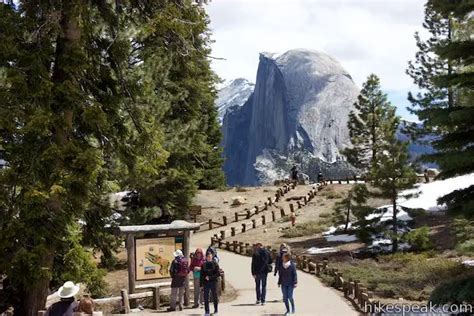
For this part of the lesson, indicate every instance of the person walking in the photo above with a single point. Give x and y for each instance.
(261, 266)
(196, 264)
(210, 272)
(178, 271)
(287, 280)
(284, 248)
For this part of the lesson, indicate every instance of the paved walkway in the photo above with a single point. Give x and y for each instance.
(311, 296)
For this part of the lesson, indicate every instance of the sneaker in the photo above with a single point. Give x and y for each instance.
(257, 302)
(169, 309)
(263, 303)
(195, 306)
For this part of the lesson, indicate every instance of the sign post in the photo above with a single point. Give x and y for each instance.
(150, 250)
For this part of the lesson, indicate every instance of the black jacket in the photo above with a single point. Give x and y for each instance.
(209, 269)
(260, 261)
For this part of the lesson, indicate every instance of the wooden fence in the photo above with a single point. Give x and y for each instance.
(263, 220)
(253, 211)
(155, 290)
(353, 290)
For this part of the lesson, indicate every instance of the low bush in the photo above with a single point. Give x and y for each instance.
(419, 239)
(305, 229)
(404, 275)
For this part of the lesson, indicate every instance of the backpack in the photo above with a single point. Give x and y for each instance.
(182, 268)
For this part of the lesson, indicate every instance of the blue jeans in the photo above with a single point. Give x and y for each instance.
(287, 291)
(212, 288)
(261, 286)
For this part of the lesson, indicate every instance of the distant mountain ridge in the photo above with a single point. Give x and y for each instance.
(234, 93)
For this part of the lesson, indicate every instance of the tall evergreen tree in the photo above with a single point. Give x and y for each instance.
(365, 124)
(352, 204)
(94, 96)
(443, 69)
(392, 171)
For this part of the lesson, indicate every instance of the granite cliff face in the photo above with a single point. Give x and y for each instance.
(299, 107)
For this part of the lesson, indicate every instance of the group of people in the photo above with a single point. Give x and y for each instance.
(284, 267)
(206, 272)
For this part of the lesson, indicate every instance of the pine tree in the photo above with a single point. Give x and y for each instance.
(392, 172)
(353, 203)
(365, 124)
(95, 96)
(443, 69)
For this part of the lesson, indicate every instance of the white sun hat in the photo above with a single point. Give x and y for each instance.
(69, 289)
(178, 253)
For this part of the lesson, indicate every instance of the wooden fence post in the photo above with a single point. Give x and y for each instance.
(299, 204)
(292, 209)
(282, 212)
(232, 231)
(248, 214)
(264, 221)
(210, 224)
(270, 202)
(156, 297)
(125, 301)
(224, 220)
(256, 209)
(244, 226)
(222, 234)
(305, 200)
(236, 216)
(254, 223)
(273, 216)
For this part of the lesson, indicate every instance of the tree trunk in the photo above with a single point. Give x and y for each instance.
(34, 297)
(68, 41)
(347, 216)
(395, 226)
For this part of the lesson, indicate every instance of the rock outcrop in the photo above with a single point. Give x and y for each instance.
(233, 94)
(299, 107)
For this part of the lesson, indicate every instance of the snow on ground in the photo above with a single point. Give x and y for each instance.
(426, 194)
(385, 213)
(468, 263)
(316, 250)
(341, 237)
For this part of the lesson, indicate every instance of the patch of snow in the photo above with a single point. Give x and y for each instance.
(316, 250)
(341, 237)
(425, 195)
(330, 231)
(469, 263)
(385, 213)
(385, 245)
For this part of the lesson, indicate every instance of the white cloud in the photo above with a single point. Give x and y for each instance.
(364, 35)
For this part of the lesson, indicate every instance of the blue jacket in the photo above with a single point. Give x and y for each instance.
(287, 276)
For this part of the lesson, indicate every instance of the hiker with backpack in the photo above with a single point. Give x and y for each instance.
(284, 248)
(261, 266)
(287, 280)
(210, 273)
(196, 265)
(178, 271)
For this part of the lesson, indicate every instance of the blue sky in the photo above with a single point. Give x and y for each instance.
(366, 36)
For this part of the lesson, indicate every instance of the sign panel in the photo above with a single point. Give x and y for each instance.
(154, 256)
(195, 210)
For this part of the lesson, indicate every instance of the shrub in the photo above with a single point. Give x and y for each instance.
(419, 238)
(466, 248)
(458, 291)
(305, 229)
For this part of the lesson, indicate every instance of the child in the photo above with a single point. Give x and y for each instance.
(287, 280)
